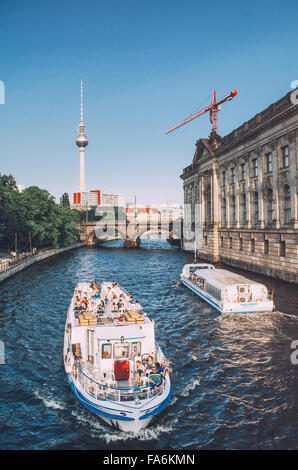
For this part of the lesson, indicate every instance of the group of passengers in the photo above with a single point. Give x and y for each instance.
(154, 371)
(196, 280)
(111, 298)
(89, 299)
(118, 301)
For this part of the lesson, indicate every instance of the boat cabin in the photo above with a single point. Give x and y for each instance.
(226, 286)
(189, 269)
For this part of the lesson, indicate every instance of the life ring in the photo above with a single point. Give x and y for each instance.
(259, 300)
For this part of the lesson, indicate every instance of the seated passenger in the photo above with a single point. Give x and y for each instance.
(155, 378)
(137, 306)
(167, 367)
(148, 365)
(139, 372)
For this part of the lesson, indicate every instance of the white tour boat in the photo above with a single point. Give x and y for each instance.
(227, 292)
(109, 350)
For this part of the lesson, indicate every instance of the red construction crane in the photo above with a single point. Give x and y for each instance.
(213, 108)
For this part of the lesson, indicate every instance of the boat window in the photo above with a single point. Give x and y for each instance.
(135, 349)
(192, 269)
(121, 350)
(106, 351)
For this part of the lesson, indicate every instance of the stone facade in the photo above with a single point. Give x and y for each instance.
(247, 185)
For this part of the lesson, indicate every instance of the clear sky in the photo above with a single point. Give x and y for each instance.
(146, 65)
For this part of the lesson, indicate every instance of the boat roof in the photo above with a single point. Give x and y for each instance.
(225, 277)
(200, 265)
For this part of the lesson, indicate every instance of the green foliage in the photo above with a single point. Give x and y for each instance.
(65, 199)
(34, 210)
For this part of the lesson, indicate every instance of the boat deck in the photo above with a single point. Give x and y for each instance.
(113, 306)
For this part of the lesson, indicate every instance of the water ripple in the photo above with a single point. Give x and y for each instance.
(234, 386)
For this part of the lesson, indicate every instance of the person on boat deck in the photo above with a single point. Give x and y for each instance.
(160, 369)
(78, 302)
(139, 372)
(93, 307)
(167, 366)
(149, 365)
(155, 378)
(101, 305)
(163, 369)
(94, 285)
(137, 306)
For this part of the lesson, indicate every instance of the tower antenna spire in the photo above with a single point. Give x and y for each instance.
(81, 101)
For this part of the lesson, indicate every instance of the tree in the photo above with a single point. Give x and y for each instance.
(64, 200)
(34, 210)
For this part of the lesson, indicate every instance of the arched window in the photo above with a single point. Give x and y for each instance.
(287, 204)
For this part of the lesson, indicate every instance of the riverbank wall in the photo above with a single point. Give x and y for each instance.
(34, 259)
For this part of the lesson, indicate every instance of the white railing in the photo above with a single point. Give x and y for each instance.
(102, 391)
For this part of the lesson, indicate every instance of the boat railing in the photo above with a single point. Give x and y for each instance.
(104, 391)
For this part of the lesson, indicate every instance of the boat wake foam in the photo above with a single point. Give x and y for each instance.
(104, 431)
(48, 401)
(190, 387)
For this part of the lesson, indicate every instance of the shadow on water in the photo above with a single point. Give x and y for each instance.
(234, 386)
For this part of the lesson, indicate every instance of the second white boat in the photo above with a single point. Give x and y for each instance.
(226, 291)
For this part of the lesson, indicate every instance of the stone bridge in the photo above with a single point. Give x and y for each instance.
(129, 230)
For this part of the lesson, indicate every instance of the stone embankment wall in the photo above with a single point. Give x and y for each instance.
(34, 259)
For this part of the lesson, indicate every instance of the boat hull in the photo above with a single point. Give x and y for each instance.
(252, 307)
(127, 419)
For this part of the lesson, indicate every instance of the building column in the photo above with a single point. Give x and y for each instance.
(248, 207)
(237, 201)
(228, 223)
(277, 208)
(261, 209)
(203, 200)
(293, 171)
(215, 198)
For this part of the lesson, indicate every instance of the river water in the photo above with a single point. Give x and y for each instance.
(234, 386)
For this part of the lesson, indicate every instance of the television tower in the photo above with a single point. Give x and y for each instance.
(82, 142)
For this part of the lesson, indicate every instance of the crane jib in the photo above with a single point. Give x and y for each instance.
(213, 108)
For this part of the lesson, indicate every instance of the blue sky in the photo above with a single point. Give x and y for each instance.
(146, 66)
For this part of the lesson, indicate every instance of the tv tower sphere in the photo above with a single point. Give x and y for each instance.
(82, 139)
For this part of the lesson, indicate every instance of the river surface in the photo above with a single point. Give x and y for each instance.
(234, 386)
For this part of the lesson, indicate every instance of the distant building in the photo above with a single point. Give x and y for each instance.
(81, 200)
(113, 200)
(96, 198)
(246, 185)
